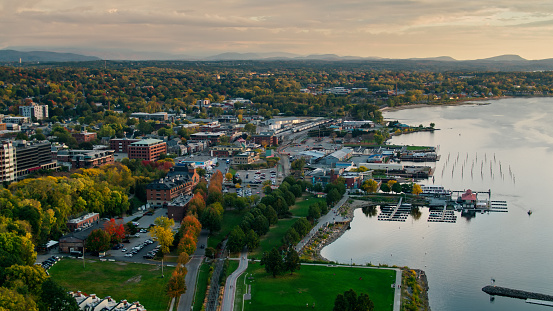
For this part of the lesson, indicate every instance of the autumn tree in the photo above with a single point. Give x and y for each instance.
(98, 241)
(116, 231)
(417, 189)
(370, 186)
(176, 285)
(163, 234)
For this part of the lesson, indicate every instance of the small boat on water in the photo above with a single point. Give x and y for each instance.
(529, 212)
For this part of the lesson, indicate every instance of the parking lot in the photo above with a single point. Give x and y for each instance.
(254, 179)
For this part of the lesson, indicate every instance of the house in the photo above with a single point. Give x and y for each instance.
(84, 136)
(93, 302)
(468, 198)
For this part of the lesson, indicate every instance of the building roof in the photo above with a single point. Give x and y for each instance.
(147, 142)
(340, 154)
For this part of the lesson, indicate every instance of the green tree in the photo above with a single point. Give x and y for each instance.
(292, 260)
(55, 297)
(250, 128)
(16, 250)
(385, 188)
(396, 187)
(314, 212)
(332, 197)
(252, 240)
(273, 262)
(25, 279)
(236, 239)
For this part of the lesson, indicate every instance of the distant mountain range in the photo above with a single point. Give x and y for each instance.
(497, 63)
(12, 56)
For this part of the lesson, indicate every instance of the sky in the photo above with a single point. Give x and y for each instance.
(468, 29)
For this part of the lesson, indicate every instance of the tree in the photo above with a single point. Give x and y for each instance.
(236, 239)
(250, 128)
(370, 186)
(292, 260)
(16, 250)
(11, 300)
(298, 164)
(176, 285)
(161, 231)
(24, 279)
(115, 231)
(252, 240)
(384, 187)
(314, 212)
(273, 262)
(417, 189)
(432, 125)
(55, 297)
(332, 197)
(228, 176)
(98, 241)
(396, 187)
(349, 301)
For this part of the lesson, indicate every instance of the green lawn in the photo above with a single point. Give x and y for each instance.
(274, 237)
(230, 220)
(319, 285)
(120, 280)
(301, 208)
(232, 171)
(201, 286)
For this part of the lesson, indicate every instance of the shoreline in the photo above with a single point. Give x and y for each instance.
(456, 103)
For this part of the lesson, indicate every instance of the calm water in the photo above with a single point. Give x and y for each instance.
(460, 258)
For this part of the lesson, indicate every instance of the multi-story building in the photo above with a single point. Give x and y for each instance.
(266, 139)
(84, 158)
(159, 116)
(121, 145)
(226, 150)
(17, 120)
(32, 156)
(34, 110)
(84, 136)
(247, 157)
(7, 161)
(212, 138)
(180, 181)
(147, 149)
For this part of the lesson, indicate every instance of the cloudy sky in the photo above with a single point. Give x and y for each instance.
(467, 29)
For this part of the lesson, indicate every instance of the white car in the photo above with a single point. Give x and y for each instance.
(128, 255)
(124, 250)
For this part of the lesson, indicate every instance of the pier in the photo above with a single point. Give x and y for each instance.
(442, 216)
(398, 213)
(535, 298)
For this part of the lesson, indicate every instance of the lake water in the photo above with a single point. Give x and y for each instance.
(507, 147)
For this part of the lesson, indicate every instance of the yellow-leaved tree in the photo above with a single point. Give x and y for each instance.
(162, 232)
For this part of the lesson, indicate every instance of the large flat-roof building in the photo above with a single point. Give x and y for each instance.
(85, 158)
(147, 149)
(33, 156)
(266, 139)
(34, 110)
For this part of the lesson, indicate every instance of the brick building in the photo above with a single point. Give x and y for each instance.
(85, 158)
(121, 145)
(265, 139)
(147, 149)
(85, 220)
(180, 180)
(84, 137)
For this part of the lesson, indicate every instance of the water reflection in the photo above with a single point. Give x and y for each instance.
(370, 211)
(415, 213)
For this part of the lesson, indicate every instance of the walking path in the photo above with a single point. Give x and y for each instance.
(331, 217)
(230, 286)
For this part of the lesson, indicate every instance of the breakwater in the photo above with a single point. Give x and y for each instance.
(515, 293)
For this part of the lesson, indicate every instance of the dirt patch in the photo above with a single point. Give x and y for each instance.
(134, 279)
(121, 263)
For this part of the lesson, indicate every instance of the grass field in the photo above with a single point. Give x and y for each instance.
(319, 285)
(274, 237)
(230, 220)
(131, 281)
(301, 208)
(201, 286)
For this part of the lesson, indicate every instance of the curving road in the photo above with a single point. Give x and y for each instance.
(230, 286)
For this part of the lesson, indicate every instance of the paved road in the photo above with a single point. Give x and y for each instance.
(230, 286)
(187, 299)
(331, 217)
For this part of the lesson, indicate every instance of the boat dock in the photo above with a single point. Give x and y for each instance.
(397, 213)
(442, 216)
